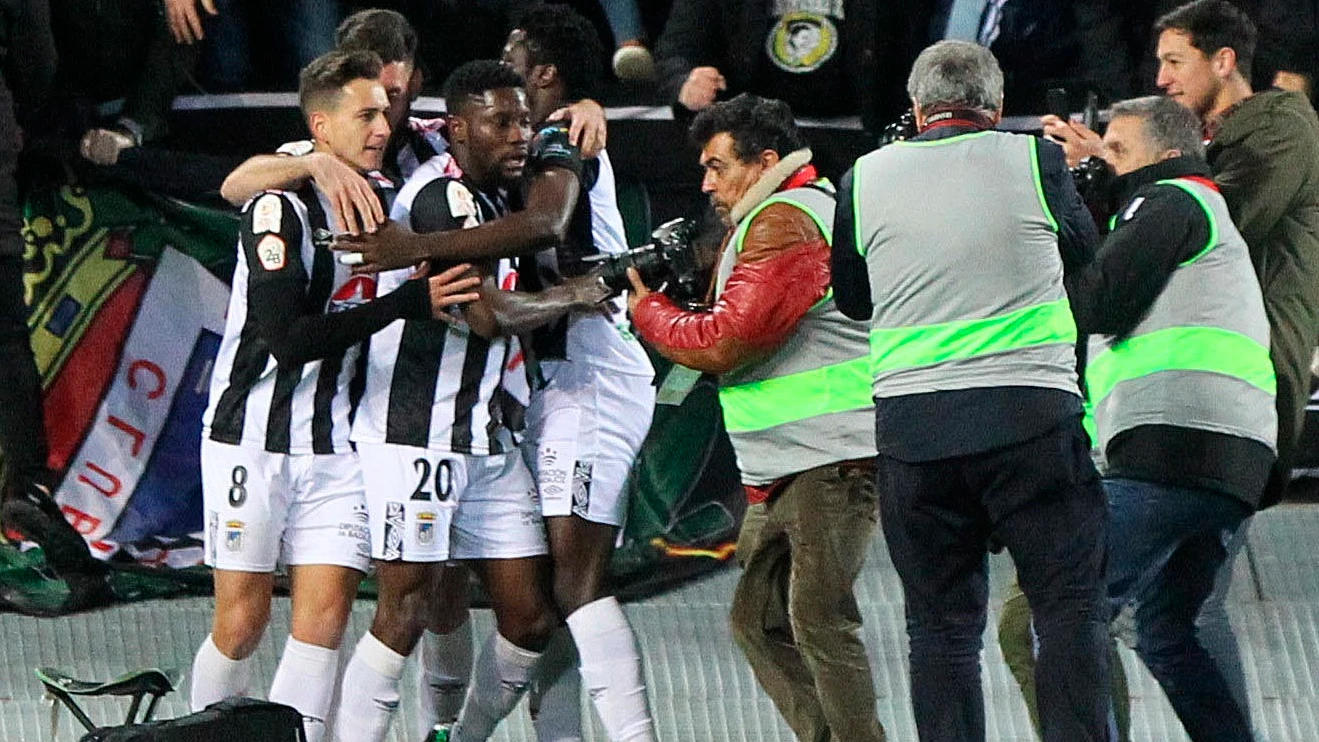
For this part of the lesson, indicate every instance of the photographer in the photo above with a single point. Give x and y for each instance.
(796, 402)
(1183, 395)
(955, 246)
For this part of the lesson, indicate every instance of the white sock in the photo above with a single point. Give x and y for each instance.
(305, 680)
(555, 697)
(611, 670)
(503, 673)
(216, 677)
(446, 668)
(370, 692)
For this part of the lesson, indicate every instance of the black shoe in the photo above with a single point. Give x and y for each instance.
(33, 513)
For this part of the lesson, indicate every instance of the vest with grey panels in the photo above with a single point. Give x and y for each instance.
(1199, 358)
(965, 273)
(808, 404)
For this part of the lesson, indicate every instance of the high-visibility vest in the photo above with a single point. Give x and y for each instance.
(808, 404)
(965, 274)
(1199, 358)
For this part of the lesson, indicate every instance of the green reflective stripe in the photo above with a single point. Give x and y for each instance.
(1209, 213)
(1039, 182)
(1112, 222)
(940, 142)
(760, 405)
(1206, 349)
(911, 347)
(825, 229)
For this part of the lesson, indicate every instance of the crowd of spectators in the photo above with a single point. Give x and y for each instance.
(121, 62)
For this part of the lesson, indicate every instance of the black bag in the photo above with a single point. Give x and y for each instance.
(231, 720)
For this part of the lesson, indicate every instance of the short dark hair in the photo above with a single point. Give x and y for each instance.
(385, 32)
(473, 79)
(756, 124)
(559, 35)
(1214, 25)
(320, 82)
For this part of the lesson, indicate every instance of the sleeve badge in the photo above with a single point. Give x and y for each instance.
(271, 252)
(267, 214)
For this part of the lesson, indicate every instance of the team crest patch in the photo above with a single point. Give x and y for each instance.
(270, 251)
(233, 535)
(802, 42)
(462, 205)
(267, 213)
(393, 531)
(581, 487)
(425, 528)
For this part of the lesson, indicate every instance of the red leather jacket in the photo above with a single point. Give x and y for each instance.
(782, 271)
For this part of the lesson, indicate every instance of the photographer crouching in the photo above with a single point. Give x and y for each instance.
(795, 392)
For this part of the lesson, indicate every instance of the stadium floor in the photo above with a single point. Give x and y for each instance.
(700, 687)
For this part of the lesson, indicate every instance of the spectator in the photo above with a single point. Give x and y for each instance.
(236, 31)
(27, 65)
(1187, 446)
(112, 49)
(632, 57)
(955, 247)
(834, 58)
(803, 444)
(1292, 64)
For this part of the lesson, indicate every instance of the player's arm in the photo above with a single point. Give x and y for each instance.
(519, 312)
(551, 198)
(351, 199)
(297, 332)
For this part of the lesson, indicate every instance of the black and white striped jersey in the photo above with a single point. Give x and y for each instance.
(284, 374)
(432, 384)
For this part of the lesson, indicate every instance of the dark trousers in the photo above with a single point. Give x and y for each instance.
(1041, 499)
(794, 614)
(1167, 545)
(22, 427)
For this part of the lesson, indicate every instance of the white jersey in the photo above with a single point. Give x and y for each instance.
(432, 384)
(607, 342)
(253, 400)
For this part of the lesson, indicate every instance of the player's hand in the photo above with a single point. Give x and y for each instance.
(586, 126)
(588, 291)
(701, 87)
(1078, 141)
(389, 247)
(352, 201)
(639, 290)
(185, 23)
(456, 285)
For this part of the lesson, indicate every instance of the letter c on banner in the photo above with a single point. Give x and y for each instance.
(149, 368)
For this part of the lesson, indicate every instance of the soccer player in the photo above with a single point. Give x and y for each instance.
(280, 481)
(436, 430)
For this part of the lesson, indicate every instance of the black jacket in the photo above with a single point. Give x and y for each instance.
(1157, 228)
(878, 41)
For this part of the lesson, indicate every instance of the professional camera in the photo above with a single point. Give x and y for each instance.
(668, 258)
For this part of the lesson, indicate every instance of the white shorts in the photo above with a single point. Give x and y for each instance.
(264, 509)
(584, 430)
(499, 513)
(411, 495)
(433, 506)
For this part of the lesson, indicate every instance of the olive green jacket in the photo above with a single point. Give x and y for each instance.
(1265, 158)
